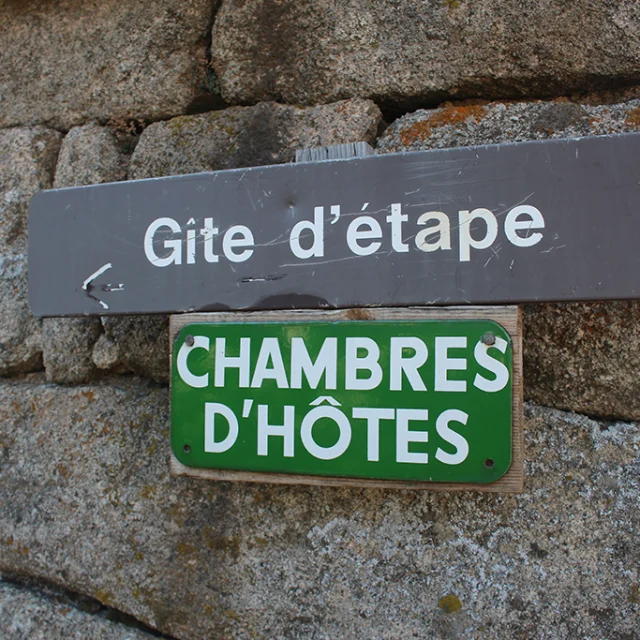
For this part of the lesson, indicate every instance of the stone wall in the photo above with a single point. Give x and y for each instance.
(96, 540)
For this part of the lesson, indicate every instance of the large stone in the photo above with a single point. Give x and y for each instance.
(134, 344)
(86, 502)
(407, 52)
(583, 357)
(20, 331)
(65, 63)
(476, 123)
(28, 614)
(27, 163)
(267, 133)
(67, 348)
(90, 154)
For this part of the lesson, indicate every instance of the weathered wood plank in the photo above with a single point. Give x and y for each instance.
(335, 152)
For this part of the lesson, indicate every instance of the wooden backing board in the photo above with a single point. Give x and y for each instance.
(509, 317)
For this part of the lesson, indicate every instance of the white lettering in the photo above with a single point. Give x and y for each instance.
(467, 242)
(404, 436)
(368, 362)
(326, 363)
(512, 224)
(211, 409)
(224, 362)
(197, 382)
(499, 370)
(444, 363)
(175, 245)
(209, 232)
(452, 437)
(270, 351)
(266, 430)
(236, 237)
(373, 416)
(396, 218)
(407, 365)
(355, 234)
(191, 246)
(317, 230)
(443, 229)
(306, 433)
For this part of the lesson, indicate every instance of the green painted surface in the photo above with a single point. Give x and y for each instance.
(424, 401)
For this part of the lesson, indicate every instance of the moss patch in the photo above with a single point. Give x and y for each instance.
(450, 603)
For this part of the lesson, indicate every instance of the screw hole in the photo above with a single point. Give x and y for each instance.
(186, 448)
(489, 463)
(489, 339)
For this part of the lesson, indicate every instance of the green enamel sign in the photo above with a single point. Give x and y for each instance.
(406, 400)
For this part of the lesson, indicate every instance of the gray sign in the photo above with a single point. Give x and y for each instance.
(548, 220)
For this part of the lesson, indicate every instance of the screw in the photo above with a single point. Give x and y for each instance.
(189, 341)
(489, 463)
(187, 448)
(488, 339)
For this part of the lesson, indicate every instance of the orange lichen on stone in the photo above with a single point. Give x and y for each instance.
(63, 471)
(343, 107)
(454, 115)
(633, 118)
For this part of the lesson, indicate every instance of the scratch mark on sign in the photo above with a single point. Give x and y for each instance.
(549, 159)
(96, 274)
(550, 249)
(269, 278)
(319, 262)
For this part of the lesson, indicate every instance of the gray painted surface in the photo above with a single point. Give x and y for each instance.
(586, 189)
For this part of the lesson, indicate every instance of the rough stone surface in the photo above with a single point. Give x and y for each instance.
(474, 123)
(20, 332)
(90, 154)
(406, 51)
(583, 357)
(65, 63)
(267, 133)
(134, 344)
(86, 502)
(27, 162)
(67, 345)
(30, 615)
